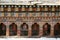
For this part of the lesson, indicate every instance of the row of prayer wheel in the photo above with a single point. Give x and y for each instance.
(20, 8)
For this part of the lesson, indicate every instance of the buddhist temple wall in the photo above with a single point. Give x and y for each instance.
(29, 14)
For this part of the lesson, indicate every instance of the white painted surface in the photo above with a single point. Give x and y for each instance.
(29, 38)
(27, 2)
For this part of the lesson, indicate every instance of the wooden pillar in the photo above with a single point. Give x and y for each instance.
(40, 30)
(18, 30)
(29, 30)
(7, 30)
(52, 30)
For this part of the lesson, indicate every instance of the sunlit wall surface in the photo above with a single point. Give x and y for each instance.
(32, 1)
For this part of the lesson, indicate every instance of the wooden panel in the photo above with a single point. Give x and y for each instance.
(34, 9)
(56, 8)
(20, 9)
(26, 9)
(5, 9)
(49, 8)
(12, 9)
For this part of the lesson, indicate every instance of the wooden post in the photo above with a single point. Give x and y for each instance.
(40, 31)
(18, 30)
(7, 31)
(52, 31)
(29, 31)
